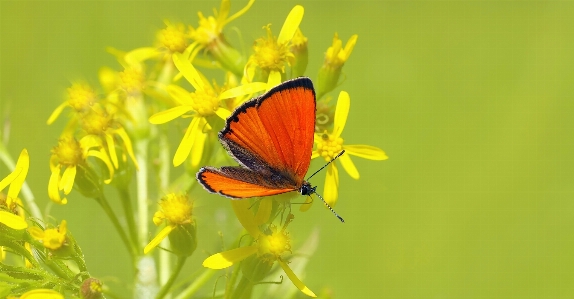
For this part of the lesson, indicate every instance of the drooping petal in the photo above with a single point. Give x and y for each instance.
(274, 79)
(298, 283)
(237, 14)
(112, 150)
(180, 95)
(307, 205)
(349, 47)
(223, 113)
(12, 221)
(67, 180)
(226, 259)
(197, 149)
(331, 192)
(187, 142)
(53, 190)
(63, 228)
(264, 211)
(157, 239)
(188, 71)
(245, 216)
(128, 145)
(349, 166)
(245, 89)
(168, 115)
(223, 12)
(136, 56)
(88, 142)
(42, 294)
(23, 163)
(366, 151)
(341, 113)
(8, 179)
(291, 24)
(56, 113)
(104, 157)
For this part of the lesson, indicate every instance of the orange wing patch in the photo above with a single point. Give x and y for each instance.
(236, 182)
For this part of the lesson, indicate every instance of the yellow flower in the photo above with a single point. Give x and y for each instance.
(11, 213)
(331, 144)
(173, 37)
(52, 238)
(42, 294)
(81, 97)
(270, 245)
(175, 210)
(271, 54)
(68, 155)
(335, 58)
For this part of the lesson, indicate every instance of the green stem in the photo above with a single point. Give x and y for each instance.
(142, 195)
(129, 245)
(197, 284)
(243, 290)
(129, 213)
(165, 289)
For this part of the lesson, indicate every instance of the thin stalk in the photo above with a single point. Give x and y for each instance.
(197, 284)
(243, 289)
(164, 167)
(165, 289)
(142, 192)
(129, 213)
(129, 245)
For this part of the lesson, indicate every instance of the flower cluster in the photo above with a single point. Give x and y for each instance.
(119, 130)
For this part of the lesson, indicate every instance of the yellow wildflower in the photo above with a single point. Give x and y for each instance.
(271, 54)
(331, 144)
(175, 210)
(270, 245)
(81, 97)
(173, 37)
(42, 294)
(52, 238)
(11, 213)
(68, 155)
(335, 58)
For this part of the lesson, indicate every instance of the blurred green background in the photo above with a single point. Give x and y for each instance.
(472, 101)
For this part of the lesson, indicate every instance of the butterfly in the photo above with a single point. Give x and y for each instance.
(271, 137)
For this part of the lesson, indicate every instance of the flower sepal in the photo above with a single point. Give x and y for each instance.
(88, 182)
(229, 58)
(256, 268)
(328, 80)
(183, 239)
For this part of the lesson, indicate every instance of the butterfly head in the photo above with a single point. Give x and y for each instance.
(307, 189)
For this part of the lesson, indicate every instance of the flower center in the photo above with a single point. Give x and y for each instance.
(207, 31)
(329, 146)
(132, 80)
(272, 246)
(81, 97)
(96, 123)
(269, 55)
(173, 37)
(68, 151)
(204, 102)
(176, 208)
(53, 239)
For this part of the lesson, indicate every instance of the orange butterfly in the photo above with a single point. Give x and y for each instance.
(271, 137)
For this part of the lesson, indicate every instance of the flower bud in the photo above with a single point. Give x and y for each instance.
(183, 239)
(91, 289)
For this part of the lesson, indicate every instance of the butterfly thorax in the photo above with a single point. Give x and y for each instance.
(307, 189)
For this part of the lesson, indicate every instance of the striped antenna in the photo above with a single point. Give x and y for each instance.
(337, 156)
(328, 206)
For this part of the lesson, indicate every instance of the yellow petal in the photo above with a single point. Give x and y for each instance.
(104, 157)
(137, 56)
(128, 145)
(341, 113)
(237, 14)
(197, 149)
(67, 180)
(188, 71)
(168, 115)
(307, 205)
(331, 187)
(249, 88)
(180, 95)
(349, 166)
(162, 234)
(23, 164)
(112, 150)
(187, 142)
(223, 12)
(109, 78)
(89, 141)
(314, 154)
(63, 228)
(349, 47)
(298, 283)
(228, 258)
(264, 211)
(291, 24)
(56, 113)
(10, 178)
(53, 190)
(223, 113)
(12, 221)
(274, 79)
(365, 151)
(245, 216)
(42, 294)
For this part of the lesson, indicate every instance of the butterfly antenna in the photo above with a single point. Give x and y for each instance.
(337, 156)
(328, 206)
